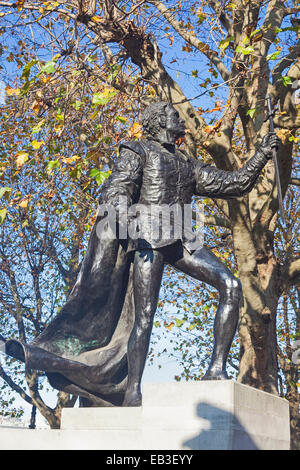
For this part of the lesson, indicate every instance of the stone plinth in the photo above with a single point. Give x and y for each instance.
(174, 416)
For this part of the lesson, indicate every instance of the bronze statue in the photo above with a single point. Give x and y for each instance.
(96, 347)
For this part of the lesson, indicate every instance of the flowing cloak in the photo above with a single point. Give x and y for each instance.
(84, 349)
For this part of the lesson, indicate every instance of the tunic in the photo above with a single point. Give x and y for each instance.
(151, 190)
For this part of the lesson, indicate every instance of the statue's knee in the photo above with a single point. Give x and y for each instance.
(144, 318)
(237, 287)
(233, 287)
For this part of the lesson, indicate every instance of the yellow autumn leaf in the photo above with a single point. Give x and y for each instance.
(22, 158)
(46, 79)
(20, 4)
(51, 5)
(170, 326)
(70, 159)
(59, 129)
(37, 144)
(25, 201)
(136, 131)
(96, 19)
(283, 134)
(12, 91)
(36, 106)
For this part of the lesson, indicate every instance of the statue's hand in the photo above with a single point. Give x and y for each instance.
(269, 142)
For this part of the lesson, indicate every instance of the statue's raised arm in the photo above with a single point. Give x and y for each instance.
(215, 183)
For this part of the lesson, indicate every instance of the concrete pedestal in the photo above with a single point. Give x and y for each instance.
(174, 416)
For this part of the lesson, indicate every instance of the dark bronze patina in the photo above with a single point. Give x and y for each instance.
(96, 347)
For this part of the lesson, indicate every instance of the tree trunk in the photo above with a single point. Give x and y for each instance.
(257, 326)
(257, 331)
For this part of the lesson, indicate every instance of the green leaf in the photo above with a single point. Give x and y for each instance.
(288, 28)
(179, 322)
(103, 98)
(27, 68)
(255, 32)
(36, 129)
(100, 176)
(286, 80)
(92, 58)
(49, 67)
(231, 6)
(251, 112)
(225, 42)
(245, 50)
(94, 172)
(51, 165)
(122, 119)
(77, 105)
(273, 56)
(201, 16)
(26, 86)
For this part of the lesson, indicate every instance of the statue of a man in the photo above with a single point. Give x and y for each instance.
(97, 345)
(156, 172)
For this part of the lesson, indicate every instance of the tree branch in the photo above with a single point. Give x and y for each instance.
(218, 221)
(14, 386)
(295, 181)
(193, 40)
(274, 17)
(291, 11)
(223, 17)
(285, 62)
(290, 272)
(36, 7)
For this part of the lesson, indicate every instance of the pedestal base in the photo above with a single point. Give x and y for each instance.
(175, 416)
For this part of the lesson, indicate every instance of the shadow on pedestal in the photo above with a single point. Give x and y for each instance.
(225, 431)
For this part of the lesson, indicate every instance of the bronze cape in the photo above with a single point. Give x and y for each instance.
(84, 349)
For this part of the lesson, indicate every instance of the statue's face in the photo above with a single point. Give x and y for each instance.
(173, 123)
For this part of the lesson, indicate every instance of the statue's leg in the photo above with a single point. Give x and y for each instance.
(205, 266)
(147, 273)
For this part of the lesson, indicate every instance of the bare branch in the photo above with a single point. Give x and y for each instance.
(45, 410)
(217, 220)
(295, 181)
(291, 11)
(223, 17)
(15, 386)
(290, 272)
(286, 62)
(193, 40)
(274, 16)
(36, 7)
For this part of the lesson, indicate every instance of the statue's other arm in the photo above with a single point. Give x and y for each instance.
(213, 182)
(124, 182)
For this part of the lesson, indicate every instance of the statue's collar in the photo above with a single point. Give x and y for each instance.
(171, 148)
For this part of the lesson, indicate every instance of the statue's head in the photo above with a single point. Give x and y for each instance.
(161, 121)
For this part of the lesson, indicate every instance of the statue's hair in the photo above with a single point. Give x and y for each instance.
(150, 117)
